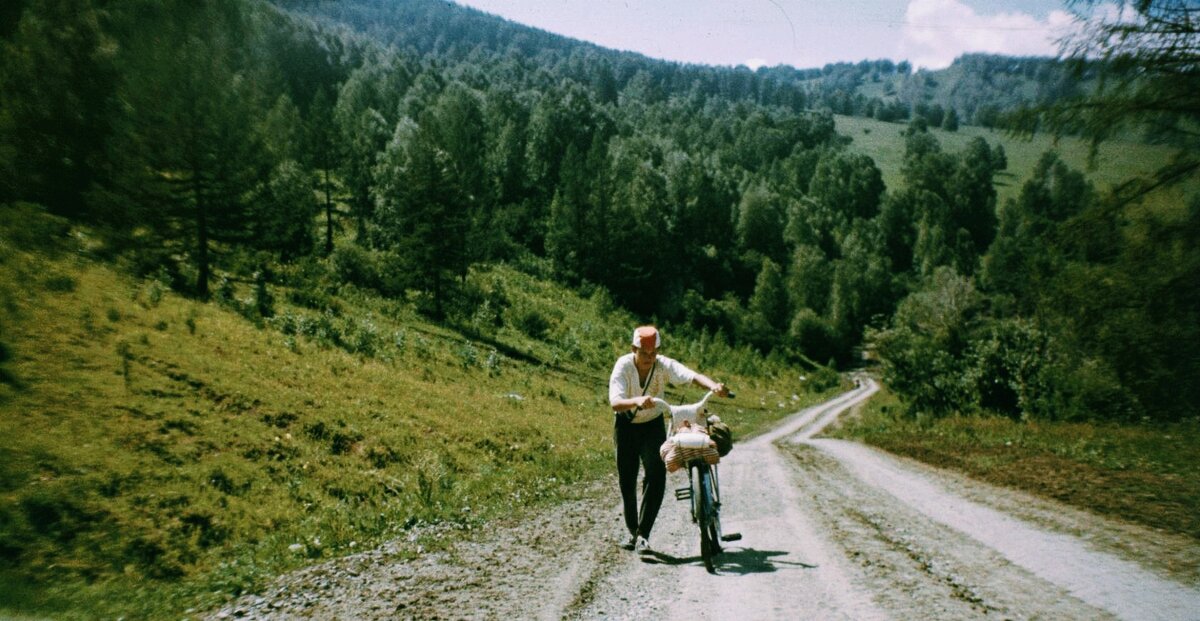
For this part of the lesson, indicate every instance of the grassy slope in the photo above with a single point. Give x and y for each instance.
(161, 453)
(1115, 163)
(1143, 474)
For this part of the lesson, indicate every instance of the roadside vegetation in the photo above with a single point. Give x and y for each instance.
(1145, 474)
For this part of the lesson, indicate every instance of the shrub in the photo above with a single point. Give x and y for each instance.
(823, 378)
(361, 337)
(493, 363)
(1007, 367)
(264, 302)
(286, 322)
(60, 283)
(226, 293)
(532, 323)
(147, 260)
(154, 294)
(812, 337)
(353, 264)
(1089, 389)
(321, 329)
(314, 298)
(469, 355)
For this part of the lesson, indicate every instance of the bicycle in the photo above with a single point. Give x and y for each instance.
(699, 454)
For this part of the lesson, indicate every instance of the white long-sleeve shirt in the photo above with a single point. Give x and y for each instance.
(625, 384)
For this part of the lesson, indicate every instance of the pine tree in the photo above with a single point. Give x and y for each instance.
(422, 214)
(58, 80)
(187, 153)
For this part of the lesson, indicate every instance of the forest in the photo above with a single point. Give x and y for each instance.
(232, 141)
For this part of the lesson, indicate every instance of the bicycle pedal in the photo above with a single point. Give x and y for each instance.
(683, 493)
(731, 537)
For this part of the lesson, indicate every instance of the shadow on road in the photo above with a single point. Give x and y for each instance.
(739, 561)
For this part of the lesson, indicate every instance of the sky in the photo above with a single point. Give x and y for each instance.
(802, 33)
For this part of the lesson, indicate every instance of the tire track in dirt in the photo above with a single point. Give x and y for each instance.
(1100, 579)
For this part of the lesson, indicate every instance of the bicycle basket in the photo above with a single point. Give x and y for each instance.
(722, 435)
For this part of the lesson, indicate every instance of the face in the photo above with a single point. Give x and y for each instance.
(645, 355)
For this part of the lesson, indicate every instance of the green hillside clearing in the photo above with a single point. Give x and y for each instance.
(1115, 162)
(162, 453)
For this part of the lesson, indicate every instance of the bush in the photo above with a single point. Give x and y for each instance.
(532, 323)
(264, 302)
(927, 377)
(812, 337)
(315, 298)
(361, 337)
(823, 378)
(350, 263)
(1007, 368)
(60, 283)
(1089, 389)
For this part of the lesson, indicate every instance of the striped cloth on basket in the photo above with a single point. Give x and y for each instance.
(676, 457)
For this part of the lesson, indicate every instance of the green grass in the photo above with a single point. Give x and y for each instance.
(1116, 161)
(1139, 473)
(161, 454)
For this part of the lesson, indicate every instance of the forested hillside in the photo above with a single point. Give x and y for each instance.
(713, 198)
(363, 156)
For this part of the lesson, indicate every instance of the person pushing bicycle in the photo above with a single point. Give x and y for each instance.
(638, 428)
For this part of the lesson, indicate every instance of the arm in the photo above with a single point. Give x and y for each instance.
(633, 403)
(707, 383)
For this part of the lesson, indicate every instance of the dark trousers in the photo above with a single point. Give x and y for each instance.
(640, 443)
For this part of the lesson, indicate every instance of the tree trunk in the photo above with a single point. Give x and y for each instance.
(328, 216)
(201, 245)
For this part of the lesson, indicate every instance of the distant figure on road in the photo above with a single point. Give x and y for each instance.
(639, 430)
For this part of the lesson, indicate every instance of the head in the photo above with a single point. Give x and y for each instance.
(646, 341)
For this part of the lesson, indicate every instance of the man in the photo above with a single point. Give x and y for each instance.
(639, 430)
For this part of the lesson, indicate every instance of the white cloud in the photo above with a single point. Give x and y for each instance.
(755, 63)
(935, 32)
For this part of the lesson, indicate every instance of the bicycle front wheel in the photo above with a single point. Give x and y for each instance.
(706, 510)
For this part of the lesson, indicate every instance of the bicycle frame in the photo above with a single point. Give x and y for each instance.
(703, 489)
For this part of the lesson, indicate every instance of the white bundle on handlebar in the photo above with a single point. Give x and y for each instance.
(691, 415)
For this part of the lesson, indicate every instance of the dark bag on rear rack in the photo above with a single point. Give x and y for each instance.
(722, 435)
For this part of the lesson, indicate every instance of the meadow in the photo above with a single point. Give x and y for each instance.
(1114, 162)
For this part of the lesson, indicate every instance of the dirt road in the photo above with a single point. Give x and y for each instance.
(832, 530)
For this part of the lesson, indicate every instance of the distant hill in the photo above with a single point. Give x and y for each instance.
(978, 88)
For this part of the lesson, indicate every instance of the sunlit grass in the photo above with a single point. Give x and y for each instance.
(1116, 161)
(160, 454)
